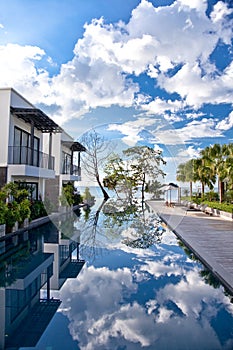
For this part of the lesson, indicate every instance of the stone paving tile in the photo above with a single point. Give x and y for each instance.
(210, 238)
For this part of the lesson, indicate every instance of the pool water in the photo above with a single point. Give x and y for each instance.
(139, 288)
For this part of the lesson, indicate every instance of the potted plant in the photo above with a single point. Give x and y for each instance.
(24, 212)
(67, 197)
(3, 196)
(2, 219)
(12, 216)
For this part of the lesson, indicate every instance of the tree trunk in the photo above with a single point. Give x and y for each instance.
(143, 187)
(221, 190)
(191, 189)
(105, 194)
(202, 190)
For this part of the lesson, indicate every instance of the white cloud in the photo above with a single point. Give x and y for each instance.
(191, 131)
(132, 130)
(189, 153)
(199, 5)
(226, 123)
(220, 11)
(23, 69)
(197, 89)
(170, 43)
(159, 106)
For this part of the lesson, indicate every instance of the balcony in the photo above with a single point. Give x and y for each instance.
(27, 156)
(70, 172)
(71, 169)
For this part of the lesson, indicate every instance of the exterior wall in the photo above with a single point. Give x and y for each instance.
(18, 100)
(52, 191)
(47, 183)
(5, 122)
(3, 176)
(13, 172)
(57, 148)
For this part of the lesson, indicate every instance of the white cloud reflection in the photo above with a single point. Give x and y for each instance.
(108, 310)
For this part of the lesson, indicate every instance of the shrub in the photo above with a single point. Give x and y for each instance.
(77, 198)
(24, 210)
(87, 197)
(220, 206)
(229, 196)
(37, 210)
(2, 213)
(67, 196)
(211, 196)
(12, 214)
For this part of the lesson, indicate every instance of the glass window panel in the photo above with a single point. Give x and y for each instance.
(16, 148)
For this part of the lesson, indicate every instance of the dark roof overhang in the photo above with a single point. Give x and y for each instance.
(74, 146)
(35, 116)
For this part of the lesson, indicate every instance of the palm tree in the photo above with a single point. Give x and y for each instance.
(185, 173)
(218, 154)
(229, 165)
(203, 172)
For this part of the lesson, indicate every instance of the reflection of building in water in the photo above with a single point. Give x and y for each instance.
(65, 264)
(24, 270)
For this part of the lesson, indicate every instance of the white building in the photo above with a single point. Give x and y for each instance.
(67, 163)
(34, 149)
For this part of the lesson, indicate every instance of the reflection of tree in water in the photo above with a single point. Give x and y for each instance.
(146, 233)
(13, 264)
(118, 215)
(145, 230)
(187, 251)
(208, 277)
(90, 230)
(117, 219)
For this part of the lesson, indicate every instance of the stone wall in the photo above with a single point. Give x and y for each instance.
(52, 191)
(3, 176)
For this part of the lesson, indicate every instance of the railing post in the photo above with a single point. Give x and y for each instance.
(50, 151)
(32, 142)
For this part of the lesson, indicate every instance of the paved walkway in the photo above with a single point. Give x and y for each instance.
(209, 237)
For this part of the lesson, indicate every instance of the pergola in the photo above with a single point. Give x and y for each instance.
(39, 120)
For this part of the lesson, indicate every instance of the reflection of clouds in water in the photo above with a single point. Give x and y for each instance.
(101, 308)
(193, 296)
(162, 268)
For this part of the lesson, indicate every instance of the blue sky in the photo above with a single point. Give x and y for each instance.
(141, 72)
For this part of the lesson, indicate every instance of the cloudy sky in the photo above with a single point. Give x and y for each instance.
(138, 71)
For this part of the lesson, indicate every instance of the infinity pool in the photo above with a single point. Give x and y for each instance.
(120, 280)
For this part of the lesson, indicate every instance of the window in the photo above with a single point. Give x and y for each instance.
(32, 188)
(66, 163)
(22, 152)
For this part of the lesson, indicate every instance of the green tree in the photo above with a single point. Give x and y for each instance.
(185, 173)
(203, 172)
(118, 177)
(217, 155)
(154, 187)
(143, 164)
(229, 166)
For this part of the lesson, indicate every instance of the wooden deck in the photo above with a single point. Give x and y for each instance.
(209, 237)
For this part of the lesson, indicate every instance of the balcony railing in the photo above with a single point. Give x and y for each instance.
(71, 169)
(27, 156)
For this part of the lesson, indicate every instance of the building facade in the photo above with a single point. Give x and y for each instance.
(34, 149)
